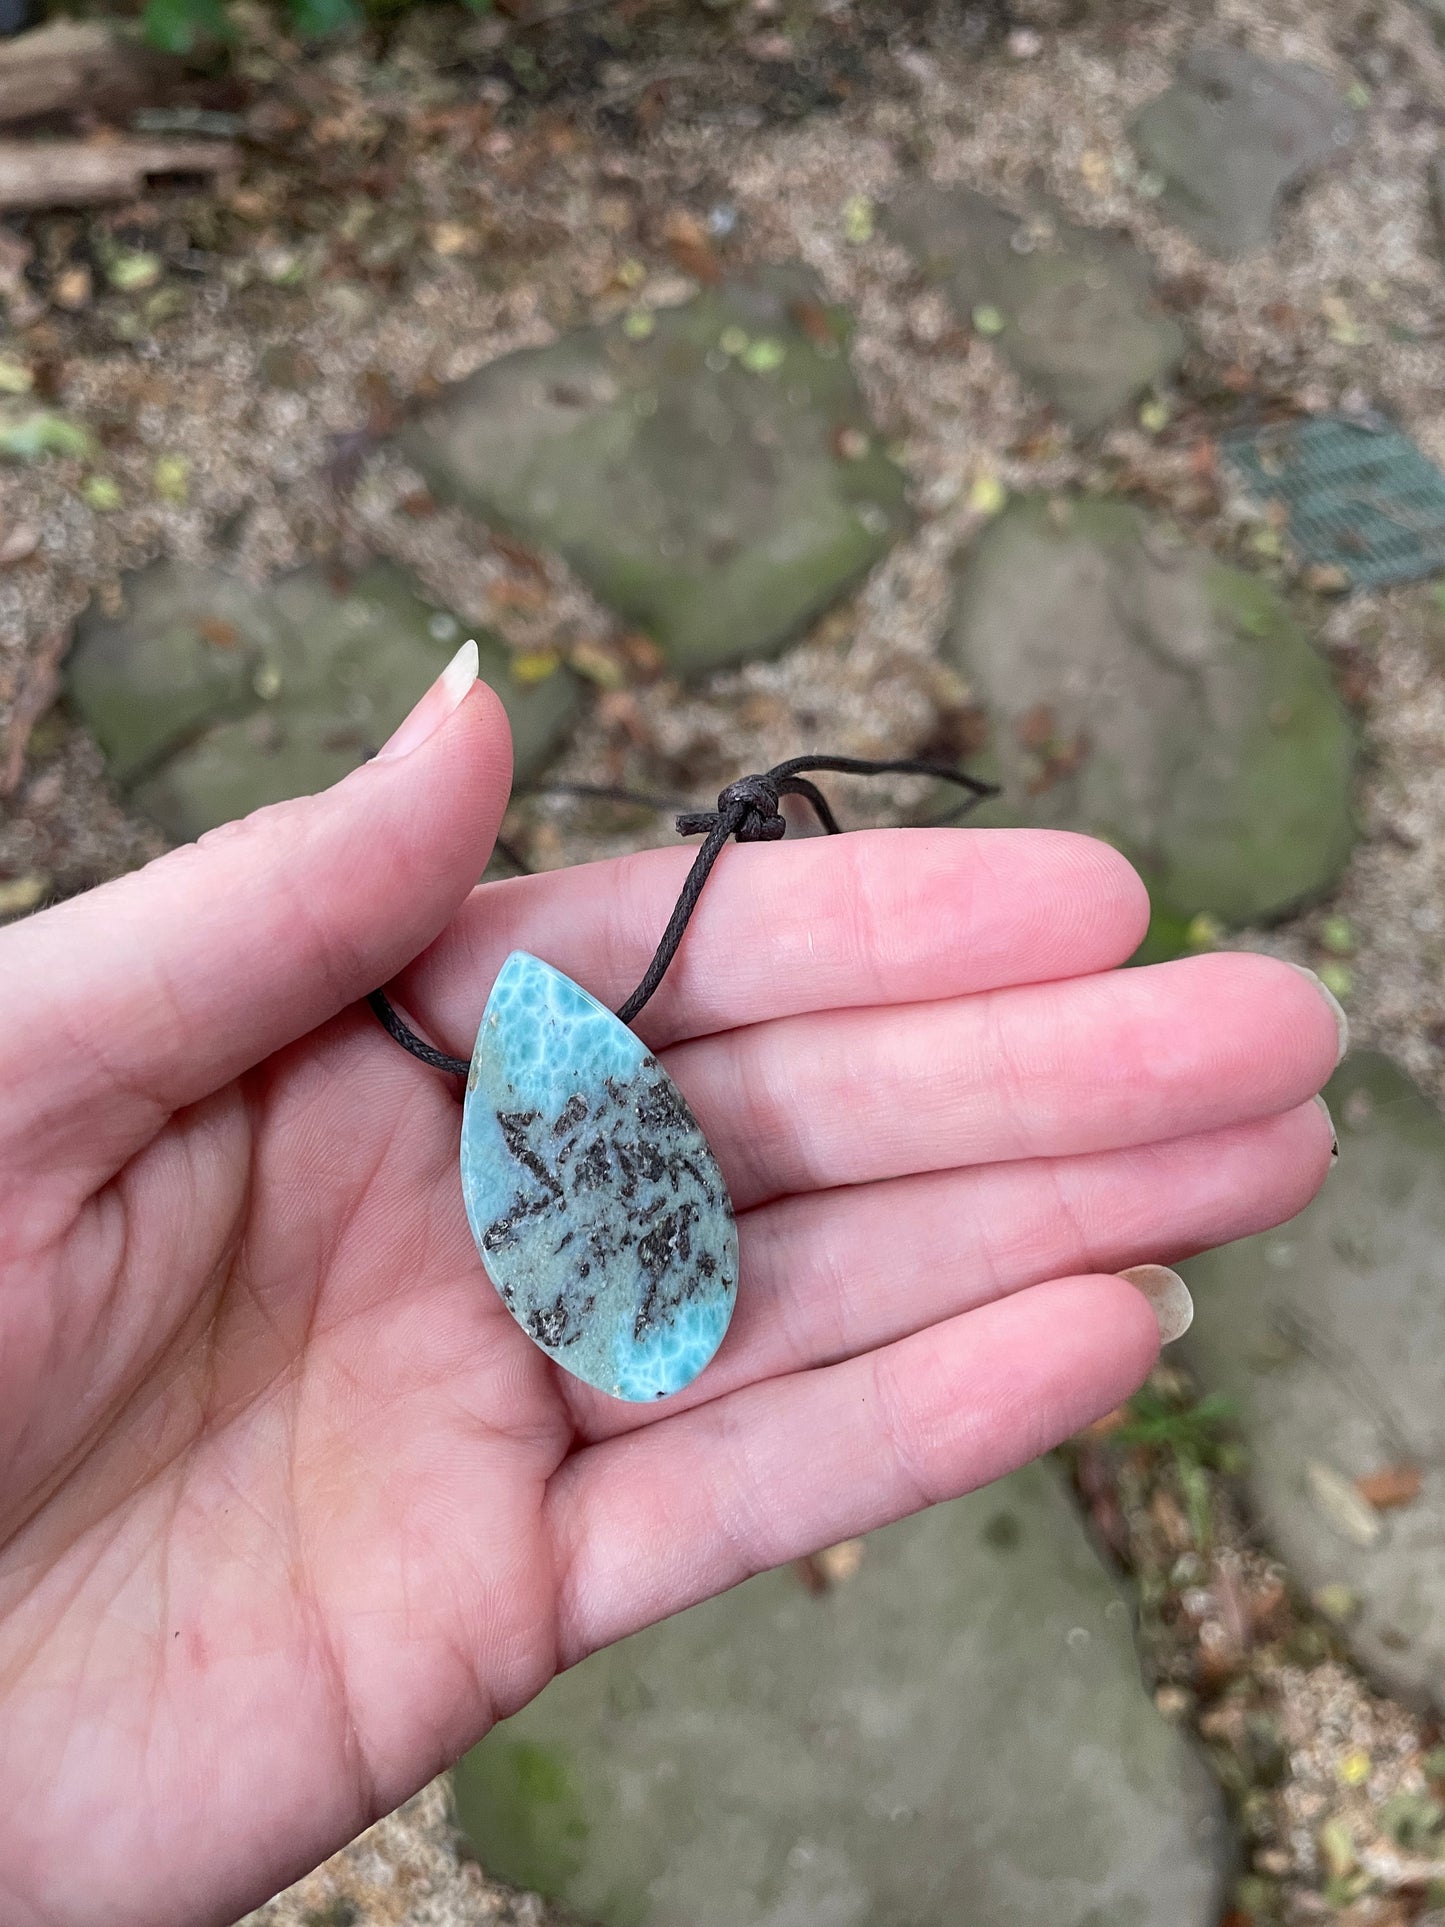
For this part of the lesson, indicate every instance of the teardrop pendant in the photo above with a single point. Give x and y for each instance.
(596, 1204)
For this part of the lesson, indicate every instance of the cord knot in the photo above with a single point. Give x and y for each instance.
(748, 807)
(747, 810)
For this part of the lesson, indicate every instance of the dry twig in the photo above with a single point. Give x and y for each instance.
(39, 692)
(68, 64)
(89, 173)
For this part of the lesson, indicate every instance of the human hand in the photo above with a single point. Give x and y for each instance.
(291, 1510)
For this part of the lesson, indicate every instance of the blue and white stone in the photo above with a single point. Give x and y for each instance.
(596, 1204)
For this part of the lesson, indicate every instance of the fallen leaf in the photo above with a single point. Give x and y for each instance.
(19, 894)
(1204, 459)
(527, 596)
(72, 290)
(1337, 1602)
(763, 357)
(987, 495)
(220, 634)
(35, 697)
(839, 1563)
(598, 665)
(1111, 1421)
(1341, 1505)
(1205, 932)
(698, 259)
(1154, 416)
(813, 322)
(102, 493)
(1096, 169)
(172, 475)
(519, 554)
(43, 433)
(133, 269)
(811, 1574)
(535, 665)
(1337, 935)
(1390, 1487)
(453, 238)
(682, 226)
(1036, 728)
(22, 539)
(643, 656)
(1340, 323)
(858, 222)
(1337, 1847)
(688, 242)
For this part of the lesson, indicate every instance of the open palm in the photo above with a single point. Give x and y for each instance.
(291, 1510)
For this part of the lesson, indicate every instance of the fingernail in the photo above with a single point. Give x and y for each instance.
(1337, 1009)
(1168, 1297)
(446, 694)
(1334, 1134)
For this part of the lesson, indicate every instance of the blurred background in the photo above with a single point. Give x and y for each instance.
(1053, 384)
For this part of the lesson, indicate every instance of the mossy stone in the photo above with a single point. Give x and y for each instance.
(1232, 135)
(1139, 689)
(708, 470)
(211, 697)
(1074, 308)
(955, 1736)
(1328, 1335)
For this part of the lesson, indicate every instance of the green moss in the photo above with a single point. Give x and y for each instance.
(1141, 691)
(341, 1912)
(517, 1805)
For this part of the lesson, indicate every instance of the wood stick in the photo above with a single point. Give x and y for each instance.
(38, 693)
(89, 173)
(72, 63)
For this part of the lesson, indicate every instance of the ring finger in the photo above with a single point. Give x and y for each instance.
(834, 1274)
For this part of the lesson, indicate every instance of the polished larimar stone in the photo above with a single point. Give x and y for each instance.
(596, 1205)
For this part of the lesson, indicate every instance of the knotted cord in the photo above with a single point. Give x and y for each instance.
(748, 811)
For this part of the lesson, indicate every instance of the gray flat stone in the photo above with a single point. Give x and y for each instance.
(709, 471)
(210, 697)
(1140, 690)
(1079, 319)
(1231, 135)
(1330, 1334)
(957, 1736)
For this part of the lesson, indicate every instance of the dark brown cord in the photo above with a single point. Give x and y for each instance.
(747, 810)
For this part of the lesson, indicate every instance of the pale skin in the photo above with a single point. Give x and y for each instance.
(290, 1509)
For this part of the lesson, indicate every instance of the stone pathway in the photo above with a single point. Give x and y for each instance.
(1329, 1333)
(707, 469)
(953, 1734)
(1231, 135)
(1135, 687)
(1072, 309)
(210, 697)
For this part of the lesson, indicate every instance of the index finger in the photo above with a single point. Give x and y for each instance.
(868, 918)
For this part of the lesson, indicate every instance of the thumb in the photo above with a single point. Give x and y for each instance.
(147, 994)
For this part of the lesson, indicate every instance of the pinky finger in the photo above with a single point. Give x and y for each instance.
(660, 1518)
